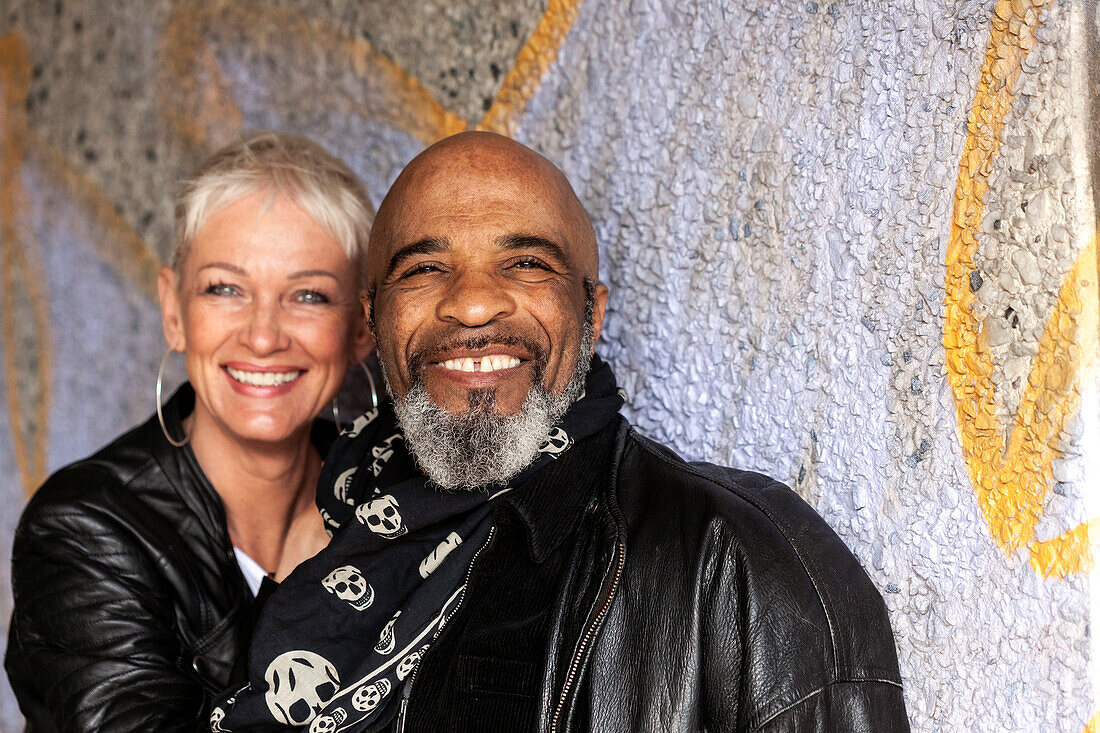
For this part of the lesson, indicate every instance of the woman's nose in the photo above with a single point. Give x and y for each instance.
(264, 332)
(475, 299)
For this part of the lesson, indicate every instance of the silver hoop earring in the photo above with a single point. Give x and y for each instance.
(373, 397)
(160, 412)
(373, 391)
(336, 414)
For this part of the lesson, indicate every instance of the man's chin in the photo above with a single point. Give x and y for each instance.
(487, 401)
(479, 448)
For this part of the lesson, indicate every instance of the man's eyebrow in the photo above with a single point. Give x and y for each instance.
(428, 246)
(530, 241)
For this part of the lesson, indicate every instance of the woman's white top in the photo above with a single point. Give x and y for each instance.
(253, 574)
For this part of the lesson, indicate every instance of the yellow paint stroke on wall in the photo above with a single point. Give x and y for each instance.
(118, 244)
(532, 63)
(1067, 350)
(417, 110)
(199, 103)
(1011, 481)
(19, 272)
(194, 96)
(1071, 552)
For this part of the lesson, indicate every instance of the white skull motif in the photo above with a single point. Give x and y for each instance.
(217, 715)
(387, 641)
(382, 517)
(323, 724)
(556, 442)
(382, 453)
(436, 557)
(329, 523)
(385, 449)
(328, 723)
(299, 683)
(357, 425)
(349, 585)
(343, 483)
(408, 664)
(367, 697)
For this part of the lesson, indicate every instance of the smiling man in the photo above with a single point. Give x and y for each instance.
(485, 304)
(508, 554)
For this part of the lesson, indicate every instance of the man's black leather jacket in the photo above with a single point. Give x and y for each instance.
(708, 599)
(130, 608)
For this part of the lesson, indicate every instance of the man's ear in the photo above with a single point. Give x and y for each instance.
(598, 310)
(364, 341)
(171, 309)
(364, 337)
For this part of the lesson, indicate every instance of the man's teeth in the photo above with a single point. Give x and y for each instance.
(262, 379)
(481, 364)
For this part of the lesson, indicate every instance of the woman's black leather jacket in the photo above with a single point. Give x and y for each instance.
(130, 608)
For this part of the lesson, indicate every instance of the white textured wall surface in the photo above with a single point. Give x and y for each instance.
(849, 244)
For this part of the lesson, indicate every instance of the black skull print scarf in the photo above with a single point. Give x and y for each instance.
(344, 632)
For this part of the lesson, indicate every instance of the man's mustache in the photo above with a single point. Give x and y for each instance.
(432, 352)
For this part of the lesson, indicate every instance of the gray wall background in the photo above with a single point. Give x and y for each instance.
(850, 244)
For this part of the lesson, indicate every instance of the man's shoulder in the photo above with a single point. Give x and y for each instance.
(718, 492)
(769, 540)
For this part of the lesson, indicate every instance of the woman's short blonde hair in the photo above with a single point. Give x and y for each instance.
(282, 164)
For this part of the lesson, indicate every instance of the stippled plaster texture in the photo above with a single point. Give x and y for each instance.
(774, 187)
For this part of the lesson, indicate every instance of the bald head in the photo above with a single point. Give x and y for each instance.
(481, 170)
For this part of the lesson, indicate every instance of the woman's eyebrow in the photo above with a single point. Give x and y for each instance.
(242, 272)
(427, 246)
(224, 266)
(311, 273)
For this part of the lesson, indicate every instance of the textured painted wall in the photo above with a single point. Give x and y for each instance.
(851, 244)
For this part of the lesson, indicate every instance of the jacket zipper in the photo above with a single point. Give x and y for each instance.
(461, 599)
(586, 638)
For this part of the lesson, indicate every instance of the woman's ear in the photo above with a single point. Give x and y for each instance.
(171, 311)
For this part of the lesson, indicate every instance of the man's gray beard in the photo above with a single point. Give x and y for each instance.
(482, 449)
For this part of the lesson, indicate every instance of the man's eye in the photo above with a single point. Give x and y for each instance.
(313, 297)
(425, 268)
(220, 289)
(529, 263)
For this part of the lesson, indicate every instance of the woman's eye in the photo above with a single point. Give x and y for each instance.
(221, 289)
(313, 297)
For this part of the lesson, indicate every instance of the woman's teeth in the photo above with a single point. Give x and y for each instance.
(481, 364)
(262, 379)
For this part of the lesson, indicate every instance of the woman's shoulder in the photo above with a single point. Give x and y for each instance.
(103, 483)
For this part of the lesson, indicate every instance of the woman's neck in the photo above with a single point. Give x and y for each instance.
(268, 492)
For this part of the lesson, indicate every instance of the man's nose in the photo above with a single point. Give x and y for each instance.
(475, 299)
(264, 333)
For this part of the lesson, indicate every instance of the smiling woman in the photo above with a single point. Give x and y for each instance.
(264, 308)
(165, 536)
